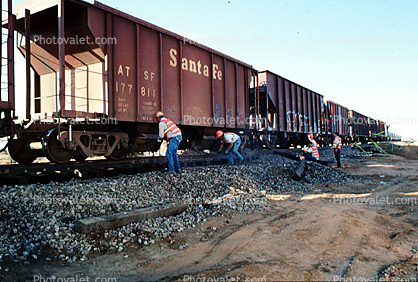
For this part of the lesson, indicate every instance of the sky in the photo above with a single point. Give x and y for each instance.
(361, 54)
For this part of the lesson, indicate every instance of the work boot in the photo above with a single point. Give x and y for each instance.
(170, 173)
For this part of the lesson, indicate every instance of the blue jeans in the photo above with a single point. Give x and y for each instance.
(235, 151)
(337, 154)
(309, 157)
(171, 154)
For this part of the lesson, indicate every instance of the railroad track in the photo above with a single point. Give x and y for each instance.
(16, 174)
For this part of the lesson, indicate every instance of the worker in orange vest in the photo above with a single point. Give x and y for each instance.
(169, 130)
(312, 154)
(337, 144)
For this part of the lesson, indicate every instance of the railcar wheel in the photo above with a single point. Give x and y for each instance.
(119, 153)
(53, 150)
(20, 151)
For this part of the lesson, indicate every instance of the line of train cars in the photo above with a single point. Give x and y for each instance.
(291, 111)
(100, 75)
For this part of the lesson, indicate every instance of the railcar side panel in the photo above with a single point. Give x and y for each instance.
(359, 124)
(230, 93)
(196, 100)
(319, 112)
(373, 127)
(219, 89)
(149, 94)
(310, 114)
(242, 85)
(288, 101)
(282, 105)
(315, 112)
(293, 95)
(305, 111)
(336, 119)
(170, 80)
(124, 71)
(299, 115)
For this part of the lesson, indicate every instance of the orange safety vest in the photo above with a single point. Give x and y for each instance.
(340, 144)
(315, 152)
(171, 126)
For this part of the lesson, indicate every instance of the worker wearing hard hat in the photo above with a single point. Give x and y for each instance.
(234, 142)
(169, 130)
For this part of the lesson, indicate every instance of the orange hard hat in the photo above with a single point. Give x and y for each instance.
(219, 134)
(159, 114)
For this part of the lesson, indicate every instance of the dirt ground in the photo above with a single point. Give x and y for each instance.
(363, 232)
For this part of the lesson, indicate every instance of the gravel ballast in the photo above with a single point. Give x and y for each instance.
(37, 220)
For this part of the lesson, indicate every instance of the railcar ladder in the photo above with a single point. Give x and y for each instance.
(256, 102)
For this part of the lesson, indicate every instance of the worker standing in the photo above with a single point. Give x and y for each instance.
(169, 130)
(234, 142)
(337, 144)
(312, 153)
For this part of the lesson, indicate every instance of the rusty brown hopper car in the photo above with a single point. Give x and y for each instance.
(290, 110)
(373, 127)
(336, 119)
(359, 126)
(122, 69)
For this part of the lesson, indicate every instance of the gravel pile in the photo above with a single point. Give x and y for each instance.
(327, 153)
(38, 220)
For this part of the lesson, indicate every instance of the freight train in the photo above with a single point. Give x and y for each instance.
(100, 75)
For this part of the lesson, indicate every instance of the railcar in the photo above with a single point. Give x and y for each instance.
(100, 75)
(288, 110)
(335, 120)
(358, 127)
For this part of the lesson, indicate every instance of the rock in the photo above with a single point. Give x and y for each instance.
(38, 215)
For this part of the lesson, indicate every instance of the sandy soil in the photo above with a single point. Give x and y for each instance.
(362, 231)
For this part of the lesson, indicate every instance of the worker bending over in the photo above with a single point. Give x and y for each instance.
(312, 154)
(234, 142)
(337, 144)
(169, 130)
